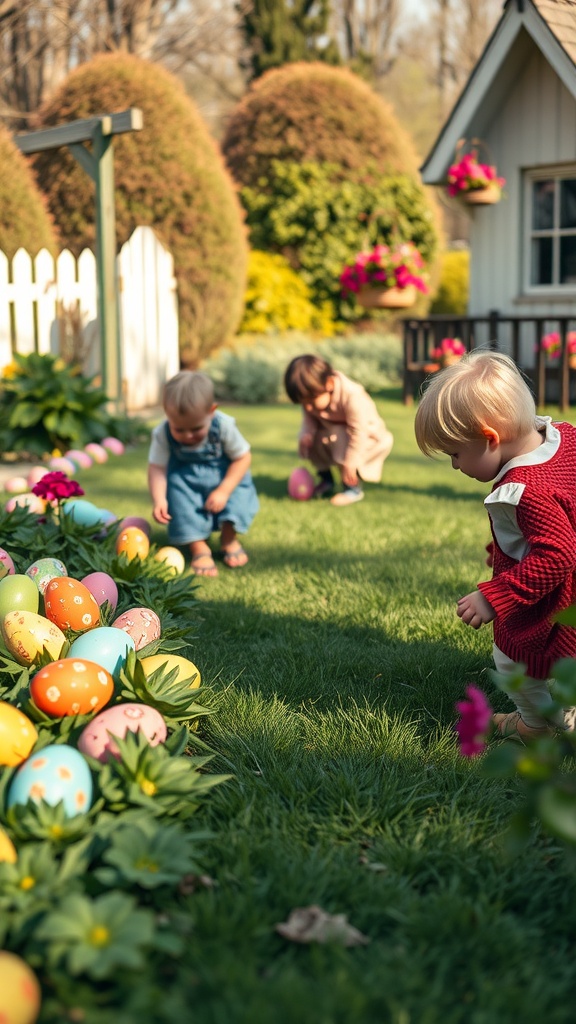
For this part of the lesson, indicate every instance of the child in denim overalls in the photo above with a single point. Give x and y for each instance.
(199, 474)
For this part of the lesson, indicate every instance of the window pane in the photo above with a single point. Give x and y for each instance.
(568, 260)
(541, 269)
(568, 203)
(543, 205)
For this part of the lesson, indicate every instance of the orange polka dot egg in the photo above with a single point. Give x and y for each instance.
(70, 604)
(54, 774)
(71, 686)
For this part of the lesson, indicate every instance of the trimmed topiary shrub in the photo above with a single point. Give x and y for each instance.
(452, 293)
(305, 112)
(170, 176)
(24, 219)
(277, 299)
(326, 170)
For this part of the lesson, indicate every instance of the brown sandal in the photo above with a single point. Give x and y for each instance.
(209, 569)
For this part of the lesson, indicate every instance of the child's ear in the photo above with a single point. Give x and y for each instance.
(213, 408)
(492, 436)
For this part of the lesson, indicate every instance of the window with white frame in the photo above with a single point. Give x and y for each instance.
(551, 229)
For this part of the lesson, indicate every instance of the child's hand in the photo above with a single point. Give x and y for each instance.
(160, 512)
(349, 476)
(305, 445)
(475, 610)
(216, 500)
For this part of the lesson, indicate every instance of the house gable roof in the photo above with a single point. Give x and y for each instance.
(551, 26)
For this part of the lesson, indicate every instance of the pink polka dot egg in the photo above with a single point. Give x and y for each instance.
(96, 740)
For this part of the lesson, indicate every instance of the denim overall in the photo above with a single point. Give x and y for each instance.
(193, 473)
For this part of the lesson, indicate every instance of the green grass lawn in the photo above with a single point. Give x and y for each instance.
(335, 658)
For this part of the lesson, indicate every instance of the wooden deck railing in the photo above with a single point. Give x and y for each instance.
(552, 384)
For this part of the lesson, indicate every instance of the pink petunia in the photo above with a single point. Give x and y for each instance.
(57, 487)
(472, 726)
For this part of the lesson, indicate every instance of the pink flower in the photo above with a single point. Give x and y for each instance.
(472, 727)
(469, 175)
(448, 346)
(384, 267)
(57, 487)
(552, 346)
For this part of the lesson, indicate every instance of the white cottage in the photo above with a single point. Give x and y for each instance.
(520, 101)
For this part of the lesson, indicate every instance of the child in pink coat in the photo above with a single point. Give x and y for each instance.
(341, 427)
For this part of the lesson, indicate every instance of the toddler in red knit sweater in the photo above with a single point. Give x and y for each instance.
(481, 413)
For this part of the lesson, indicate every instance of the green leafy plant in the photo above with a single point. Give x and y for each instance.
(149, 855)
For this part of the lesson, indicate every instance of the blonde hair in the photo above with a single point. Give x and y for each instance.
(484, 389)
(189, 391)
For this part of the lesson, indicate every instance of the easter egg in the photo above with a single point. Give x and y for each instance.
(300, 484)
(35, 475)
(6, 564)
(80, 458)
(83, 512)
(187, 671)
(60, 464)
(21, 997)
(70, 604)
(71, 686)
(17, 735)
(96, 451)
(18, 593)
(16, 485)
(142, 624)
(26, 634)
(8, 853)
(138, 521)
(113, 445)
(56, 773)
(173, 558)
(133, 543)
(30, 501)
(44, 570)
(96, 738)
(103, 587)
(105, 645)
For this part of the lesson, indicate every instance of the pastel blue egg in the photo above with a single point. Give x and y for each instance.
(106, 645)
(56, 773)
(83, 512)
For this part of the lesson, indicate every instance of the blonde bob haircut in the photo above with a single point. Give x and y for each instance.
(189, 391)
(484, 389)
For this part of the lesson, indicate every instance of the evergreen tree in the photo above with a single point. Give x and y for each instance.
(282, 31)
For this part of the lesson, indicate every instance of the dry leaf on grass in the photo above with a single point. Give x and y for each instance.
(312, 924)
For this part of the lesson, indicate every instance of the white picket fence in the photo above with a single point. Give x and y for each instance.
(50, 305)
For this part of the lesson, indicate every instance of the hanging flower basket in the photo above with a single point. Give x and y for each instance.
(552, 346)
(386, 277)
(475, 183)
(448, 351)
(387, 298)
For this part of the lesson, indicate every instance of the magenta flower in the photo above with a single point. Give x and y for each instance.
(472, 727)
(385, 267)
(552, 346)
(57, 487)
(448, 347)
(469, 175)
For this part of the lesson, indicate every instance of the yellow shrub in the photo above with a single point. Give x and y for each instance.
(277, 299)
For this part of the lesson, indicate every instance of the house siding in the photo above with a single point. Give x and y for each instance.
(535, 126)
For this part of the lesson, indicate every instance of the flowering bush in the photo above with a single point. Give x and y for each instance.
(448, 347)
(551, 345)
(468, 175)
(385, 267)
(472, 726)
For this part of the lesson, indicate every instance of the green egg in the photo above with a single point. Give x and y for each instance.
(18, 593)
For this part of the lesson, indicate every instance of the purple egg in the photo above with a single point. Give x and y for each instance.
(300, 484)
(102, 587)
(114, 445)
(142, 524)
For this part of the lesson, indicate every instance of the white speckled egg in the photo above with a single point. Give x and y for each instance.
(56, 773)
(96, 738)
(26, 634)
(142, 624)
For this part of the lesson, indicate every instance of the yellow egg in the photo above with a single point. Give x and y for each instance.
(186, 669)
(26, 634)
(173, 558)
(133, 543)
(17, 735)
(7, 849)
(19, 989)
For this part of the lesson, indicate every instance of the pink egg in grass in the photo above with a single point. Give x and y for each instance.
(138, 522)
(16, 485)
(103, 587)
(29, 501)
(81, 459)
(7, 567)
(96, 452)
(113, 445)
(300, 484)
(60, 464)
(36, 474)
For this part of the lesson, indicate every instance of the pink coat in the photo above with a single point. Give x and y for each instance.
(350, 431)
